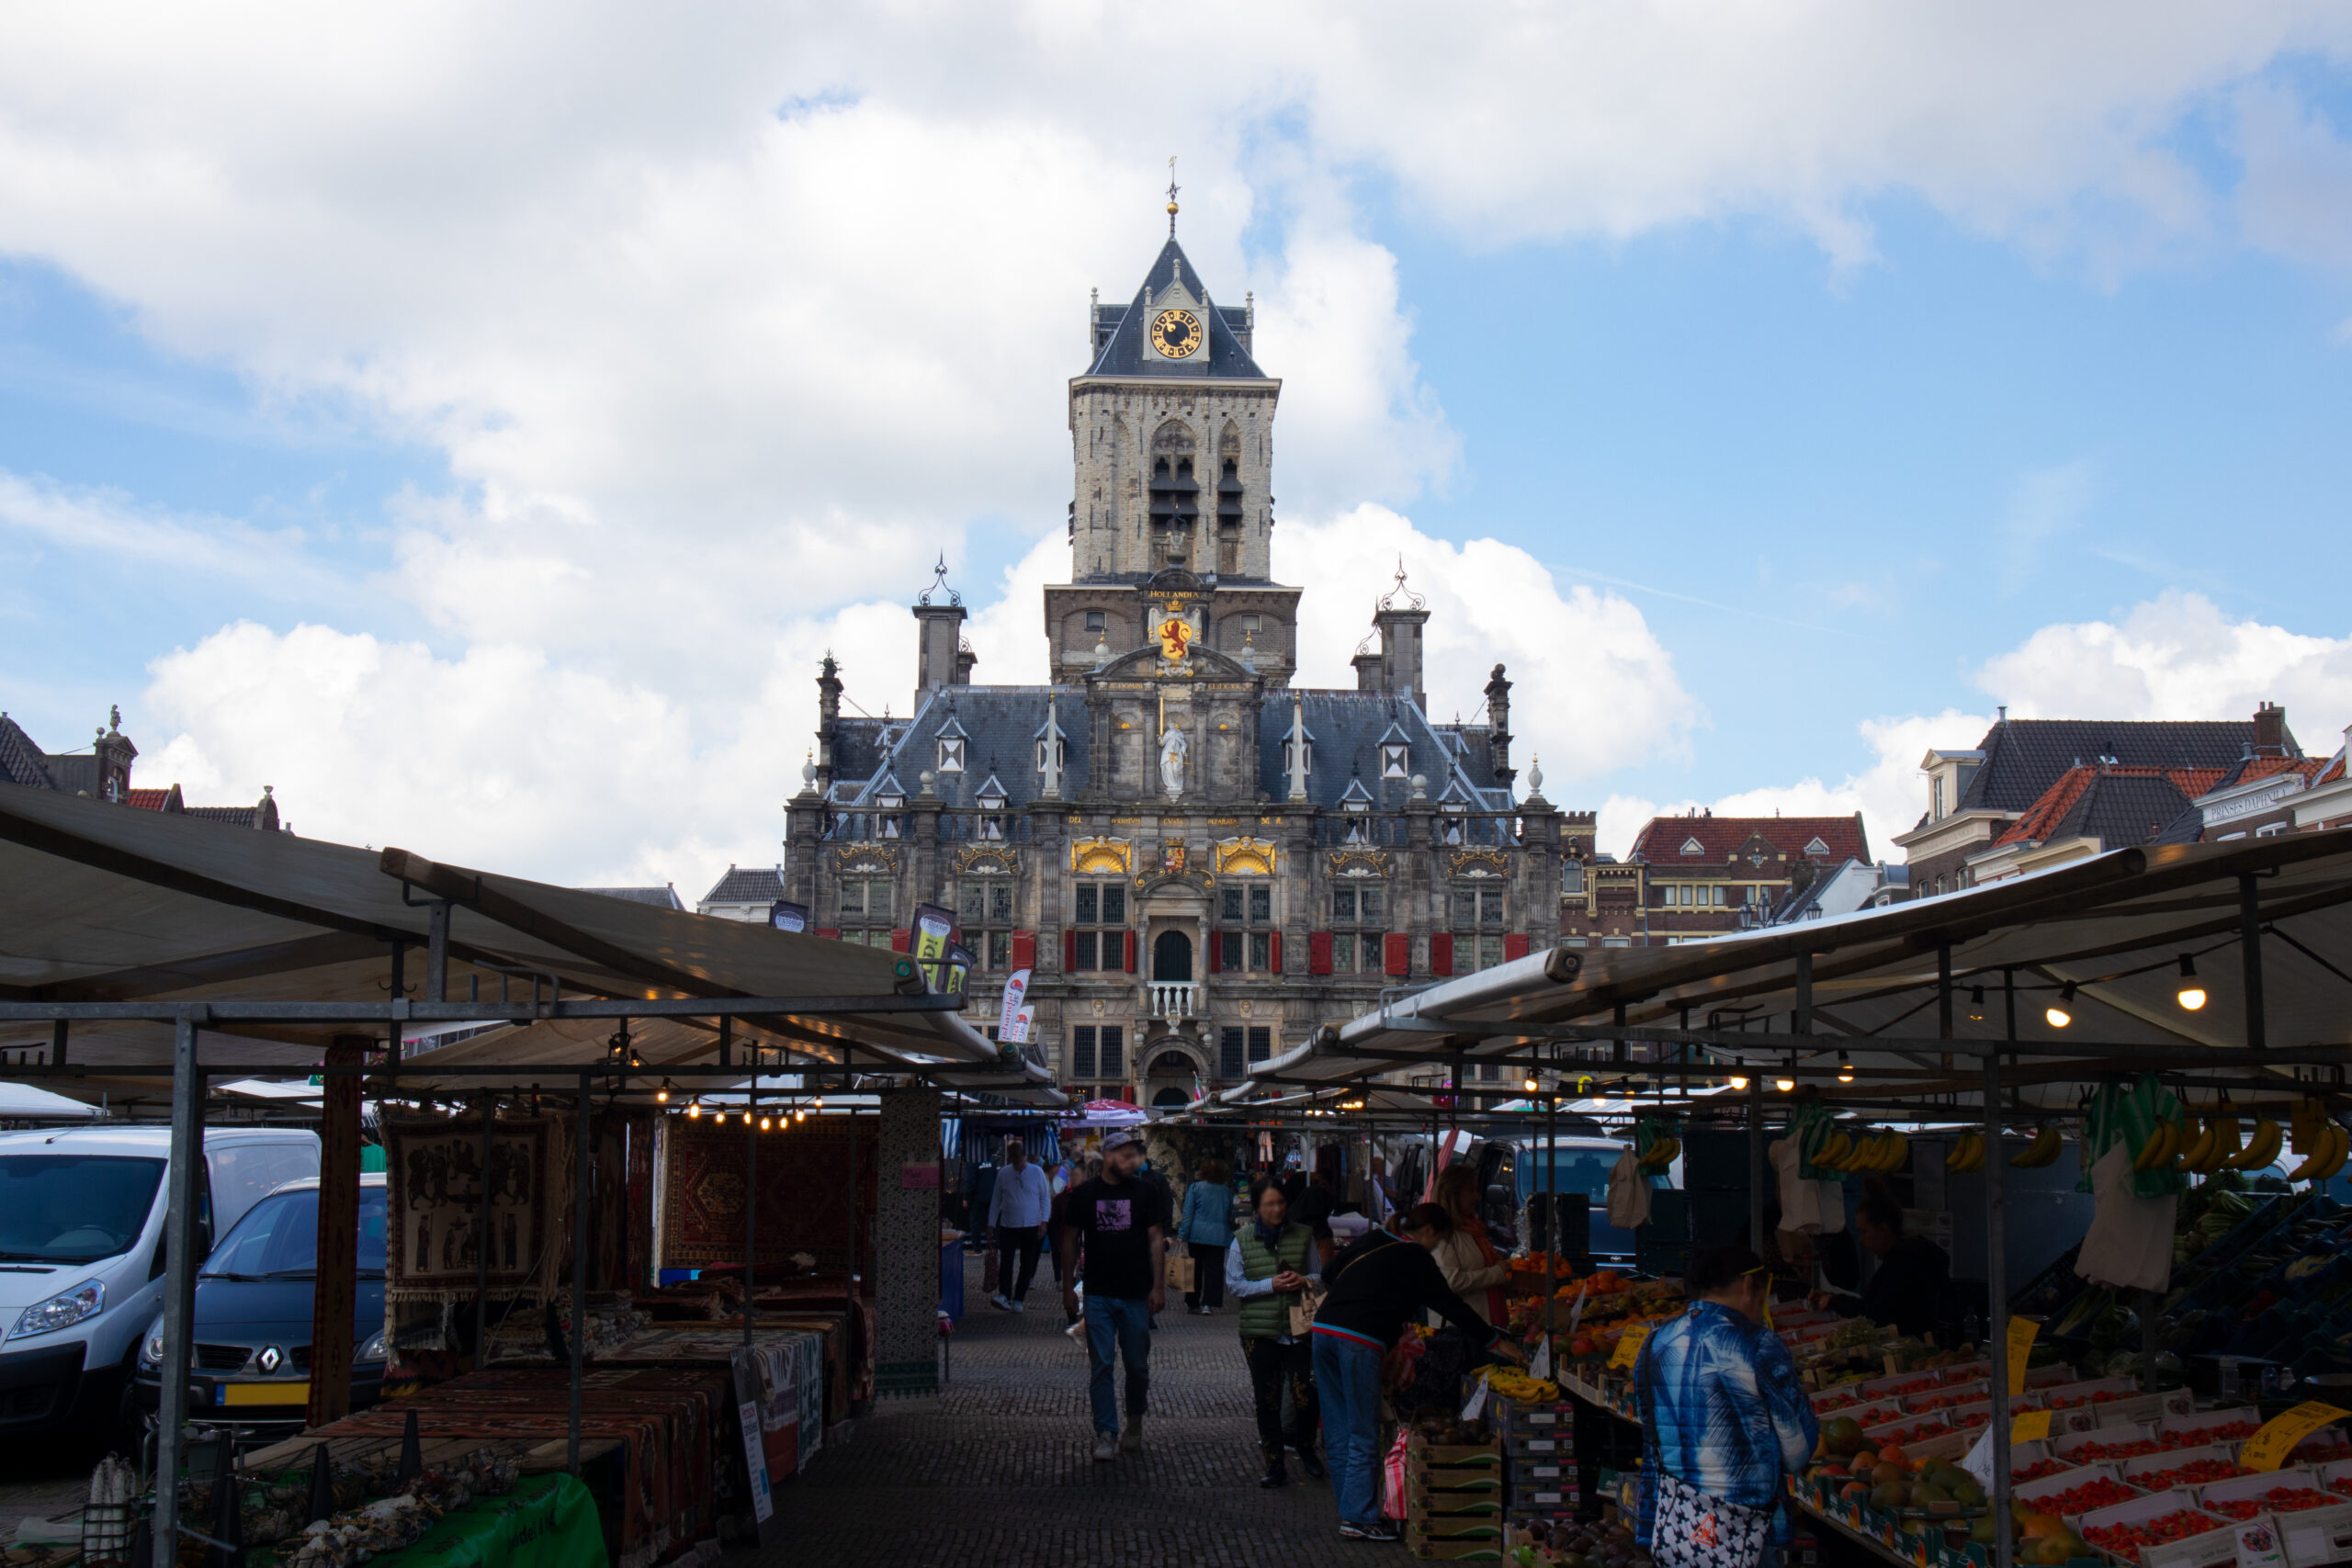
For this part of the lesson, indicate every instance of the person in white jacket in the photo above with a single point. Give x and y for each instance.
(1017, 1211)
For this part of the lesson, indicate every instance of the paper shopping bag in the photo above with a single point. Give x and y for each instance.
(1303, 1308)
(1181, 1271)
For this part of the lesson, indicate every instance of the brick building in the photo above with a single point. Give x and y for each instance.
(1695, 876)
(103, 772)
(1199, 860)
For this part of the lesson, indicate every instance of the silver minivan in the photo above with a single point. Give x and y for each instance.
(82, 1255)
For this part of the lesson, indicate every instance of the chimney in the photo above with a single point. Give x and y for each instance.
(1400, 617)
(1498, 726)
(1367, 667)
(939, 651)
(2269, 731)
(115, 753)
(829, 719)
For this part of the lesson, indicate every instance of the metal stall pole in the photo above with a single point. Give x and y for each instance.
(1754, 1158)
(1552, 1248)
(579, 1242)
(2250, 954)
(179, 1283)
(750, 1193)
(1997, 1294)
(482, 1236)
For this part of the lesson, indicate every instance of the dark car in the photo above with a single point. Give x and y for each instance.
(252, 1358)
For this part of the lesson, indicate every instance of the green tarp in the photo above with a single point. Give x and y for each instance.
(547, 1521)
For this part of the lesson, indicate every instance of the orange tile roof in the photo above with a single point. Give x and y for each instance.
(149, 799)
(2042, 818)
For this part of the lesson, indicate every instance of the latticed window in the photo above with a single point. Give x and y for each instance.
(866, 910)
(1098, 1051)
(1098, 918)
(985, 912)
(1245, 939)
(1359, 922)
(1478, 918)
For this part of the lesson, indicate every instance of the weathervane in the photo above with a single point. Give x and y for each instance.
(939, 581)
(1172, 197)
(1388, 600)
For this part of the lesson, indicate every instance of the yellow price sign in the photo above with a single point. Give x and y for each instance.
(2022, 1332)
(1629, 1344)
(2268, 1449)
(2030, 1426)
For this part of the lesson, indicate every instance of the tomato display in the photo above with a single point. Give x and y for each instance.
(2038, 1469)
(2083, 1452)
(2228, 1432)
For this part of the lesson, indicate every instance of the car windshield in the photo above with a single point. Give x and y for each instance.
(278, 1238)
(65, 1208)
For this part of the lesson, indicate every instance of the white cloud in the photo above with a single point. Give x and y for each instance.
(1595, 689)
(2176, 657)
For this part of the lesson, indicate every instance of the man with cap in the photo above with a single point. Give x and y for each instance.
(1124, 1222)
(1017, 1212)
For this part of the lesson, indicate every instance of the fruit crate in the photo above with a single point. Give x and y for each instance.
(2172, 1428)
(2033, 1494)
(1452, 1456)
(1455, 1550)
(1542, 1442)
(1543, 1472)
(2143, 1472)
(2253, 1488)
(1513, 1415)
(2311, 1537)
(1465, 1482)
(2140, 1407)
(2214, 1548)
(1436, 1508)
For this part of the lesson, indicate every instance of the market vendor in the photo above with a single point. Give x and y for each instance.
(1911, 1287)
(1724, 1420)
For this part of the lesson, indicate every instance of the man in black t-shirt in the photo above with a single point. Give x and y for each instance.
(1122, 1221)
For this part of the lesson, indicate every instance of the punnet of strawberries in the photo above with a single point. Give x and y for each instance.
(2285, 1500)
(2083, 1452)
(2040, 1468)
(2196, 1473)
(2103, 1396)
(2227, 1432)
(2126, 1539)
(2341, 1485)
(2096, 1492)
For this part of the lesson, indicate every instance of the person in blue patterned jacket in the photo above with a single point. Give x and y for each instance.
(1721, 1407)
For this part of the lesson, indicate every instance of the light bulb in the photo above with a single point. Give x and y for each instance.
(694, 1110)
(1784, 1085)
(662, 1095)
(801, 1114)
(1738, 1084)
(1844, 1069)
(2191, 994)
(1976, 1004)
(766, 1123)
(2061, 1013)
(719, 1117)
(1531, 1085)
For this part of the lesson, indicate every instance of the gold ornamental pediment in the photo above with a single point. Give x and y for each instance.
(1090, 855)
(1243, 857)
(866, 860)
(986, 859)
(1481, 862)
(1359, 863)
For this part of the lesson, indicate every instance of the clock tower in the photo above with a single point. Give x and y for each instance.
(1171, 430)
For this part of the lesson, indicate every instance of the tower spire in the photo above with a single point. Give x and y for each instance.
(1172, 197)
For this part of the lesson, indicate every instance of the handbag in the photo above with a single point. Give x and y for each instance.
(1303, 1308)
(1181, 1271)
(1694, 1531)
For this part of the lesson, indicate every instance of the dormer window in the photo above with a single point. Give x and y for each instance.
(889, 802)
(1818, 849)
(1094, 622)
(1693, 847)
(950, 755)
(1393, 760)
(1306, 765)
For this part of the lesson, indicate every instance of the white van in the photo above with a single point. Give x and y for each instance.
(82, 1260)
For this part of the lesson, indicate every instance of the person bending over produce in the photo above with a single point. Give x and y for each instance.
(1911, 1289)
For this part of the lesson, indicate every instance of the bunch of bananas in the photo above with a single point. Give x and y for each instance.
(1967, 1153)
(2216, 1147)
(2164, 1148)
(1662, 1152)
(1863, 1151)
(2322, 1141)
(2042, 1151)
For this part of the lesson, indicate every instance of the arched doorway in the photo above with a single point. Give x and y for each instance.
(1171, 1098)
(1171, 957)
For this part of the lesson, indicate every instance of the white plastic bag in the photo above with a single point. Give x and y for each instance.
(2129, 1245)
(1628, 1194)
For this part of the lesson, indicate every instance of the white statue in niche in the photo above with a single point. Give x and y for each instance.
(1172, 746)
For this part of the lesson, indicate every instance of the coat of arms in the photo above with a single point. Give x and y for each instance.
(1171, 859)
(1175, 635)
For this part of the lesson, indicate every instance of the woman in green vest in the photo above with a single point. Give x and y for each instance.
(1266, 1269)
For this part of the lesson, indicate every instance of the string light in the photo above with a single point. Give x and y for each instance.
(719, 1117)
(1844, 1069)
(2059, 1013)
(662, 1095)
(1738, 1084)
(765, 1123)
(2191, 994)
(1976, 1004)
(1530, 1084)
(694, 1110)
(1784, 1085)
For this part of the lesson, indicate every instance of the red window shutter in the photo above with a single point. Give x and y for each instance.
(1131, 953)
(1319, 952)
(1440, 952)
(1514, 947)
(1399, 954)
(1025, 950)
(832, 933)
(1274, 952)
(1070, 953)
(1216, 953)
(902, 939)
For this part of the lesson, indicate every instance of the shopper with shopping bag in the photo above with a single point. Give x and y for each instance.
(1724, 1420)
(1269, 1269)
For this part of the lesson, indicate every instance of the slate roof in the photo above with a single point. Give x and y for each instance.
(2118, 806)
(1123, 350)
(747, 885)
(21, 762)
(660, 898)
(236, 816)
(1003, 725)
(1662, 839)
(2024, 757)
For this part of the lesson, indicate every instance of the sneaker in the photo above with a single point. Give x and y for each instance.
(1131, 1441)
(1375, 1529)
(1208, 1312)
(1107, 1447)
(1016, 1306)
(1000, 1305)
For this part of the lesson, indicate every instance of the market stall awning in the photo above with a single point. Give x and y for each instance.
(291, 943)
(2102, 942)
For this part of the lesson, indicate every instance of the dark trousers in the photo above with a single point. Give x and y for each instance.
(1208, 1276)
(1016, 1245)
(1272, 1364)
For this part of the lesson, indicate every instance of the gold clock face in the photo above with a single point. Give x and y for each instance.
(1176, 334)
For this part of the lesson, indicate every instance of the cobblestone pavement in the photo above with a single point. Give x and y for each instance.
(995, 1472)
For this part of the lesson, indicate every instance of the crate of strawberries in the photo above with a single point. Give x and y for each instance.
(2072, 1494)
(2280, 1492)
(2161, 1529)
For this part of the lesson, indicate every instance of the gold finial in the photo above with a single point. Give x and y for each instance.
(1172, 197)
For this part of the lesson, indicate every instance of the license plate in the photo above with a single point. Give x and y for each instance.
(264, 1393)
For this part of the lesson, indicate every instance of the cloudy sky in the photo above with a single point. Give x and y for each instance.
(475, 421)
